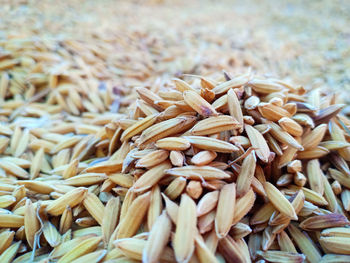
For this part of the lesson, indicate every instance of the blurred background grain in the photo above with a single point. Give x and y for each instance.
(308, 41)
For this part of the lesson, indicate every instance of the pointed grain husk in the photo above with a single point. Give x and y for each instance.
(36, 164)
(206, 222)
(240, 230)
(330, 196)
(66, 220)
(86, 179)
(334, 145)
(151, 159)
(298, 200)
(155, 207)
(279, 201)
(310, 195)
(340, 177)
(304, 119)
(134, 216)
(317, 152)
(231, 251)
(243, 206)
(80, 249)
(31, 222)
(254, 245)
(110, 218)
(94, 230)
(11, 220)
(231, 84)
(284, 137)
(148, 96)
(197, 103)
(324, 115)
(305, 244)
(185, 232)
(282, 256)
(182, 85)
(315, 176)
(198, 172)
(9, 254)
(22, 143)
(66, 246)
(151, 177)
(91, 257)
(345, 198)
(113, 253)
(173, 144)
(221, 104)
(214, 125)
(124, 180)
(171, 208)
(212, 241)
(128, 199)
(133, 248)
(7, 200)
(158, 239)
(234, 107)
(203, 157)
(14, 169)
(336, 231)
(263, 214)
(240, 140)
(71, 169)
(340, 163)
(268, 238)
(265, 86)
(211, 144)
(51, 234)
(6, 238)
(312, 139)
(337, 134)
(203, 253)
(175, 188)
(324, 221)
(285, 179)
(110, 166)
(285, 243)
(287, 156)
(138, 127)
(338, 245)
(258, 142)
(335, 258)
(308, 209)
(164, 129)
(94, 206)
(207, 203)
(291, 126)
(225, 210)
(272, 112)
(246, 174)
(4, 141)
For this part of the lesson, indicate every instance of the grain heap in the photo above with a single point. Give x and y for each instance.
(236, 169)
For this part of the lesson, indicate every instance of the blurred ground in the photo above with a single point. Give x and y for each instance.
(308, 41)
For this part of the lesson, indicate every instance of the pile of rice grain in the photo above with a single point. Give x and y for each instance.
(229, 169)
